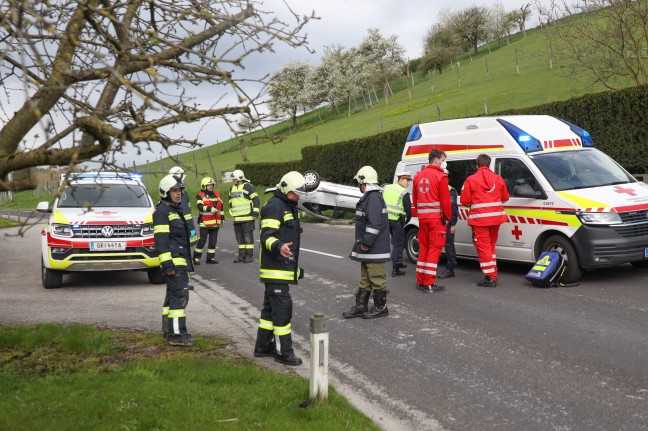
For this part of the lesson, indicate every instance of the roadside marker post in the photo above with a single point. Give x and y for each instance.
(319, 342)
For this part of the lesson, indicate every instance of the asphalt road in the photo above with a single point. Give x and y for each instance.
(509, 358)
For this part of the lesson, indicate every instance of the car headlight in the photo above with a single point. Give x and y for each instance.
(147, 229)
(599, 218)
(62, 229)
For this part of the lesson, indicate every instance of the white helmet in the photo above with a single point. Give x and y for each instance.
(366, 175)
(293, 181)
(239, 175)
(170, 182)
(176, 170)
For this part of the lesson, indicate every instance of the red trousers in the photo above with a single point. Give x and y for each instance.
(485, 238)
(431, 239)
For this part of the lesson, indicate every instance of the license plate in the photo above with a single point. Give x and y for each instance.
(108, 245)
(646, 252)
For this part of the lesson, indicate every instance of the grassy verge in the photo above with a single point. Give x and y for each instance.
(81, 378)
(8, 223)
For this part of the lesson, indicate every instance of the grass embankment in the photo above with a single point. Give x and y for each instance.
(81, 378)
(8, 223)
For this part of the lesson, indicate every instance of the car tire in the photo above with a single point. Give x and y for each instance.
(412, 244)
(562, 245)
(51, 279)
(156, 276)
(311, 180)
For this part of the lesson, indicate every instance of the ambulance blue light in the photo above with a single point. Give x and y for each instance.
(586, 138)
(414, 133)
(528, 143)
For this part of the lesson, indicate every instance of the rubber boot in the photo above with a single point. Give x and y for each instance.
(362, 299)
(196, 258)
(249, 256)
(379, 308)
(241, 256)
(211, 258)
(396, 270)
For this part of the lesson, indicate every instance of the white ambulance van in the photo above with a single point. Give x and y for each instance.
(566, 195)
(103, 221)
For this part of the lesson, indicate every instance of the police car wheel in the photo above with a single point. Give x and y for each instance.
(412, 244)
(311, 180)
(562, 245)
(51, 279)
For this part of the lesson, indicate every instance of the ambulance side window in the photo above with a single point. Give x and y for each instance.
(512, 170)
(458, 171)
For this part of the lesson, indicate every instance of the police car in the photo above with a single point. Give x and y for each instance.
(103, 221)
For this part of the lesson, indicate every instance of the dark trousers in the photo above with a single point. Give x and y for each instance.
(274, 333)
(244, 232)
(205, 233)
(451, 251)
(174, 316)
(397, 232)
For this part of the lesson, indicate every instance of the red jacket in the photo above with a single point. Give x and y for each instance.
(430, 194)
(485, 193)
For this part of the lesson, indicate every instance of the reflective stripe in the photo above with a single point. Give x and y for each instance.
(198, 250)
(165, 311)
(270, 223)
(499, 213)
(282, 330)
(372, 230)
(270, 241)
(165, 256)
(161, 228)
(438, 210)
(179, 261)
(370, 256)
(174, 314)
(249, 246)
(491, 263)
(360, 213)
(266, 324)
(277, 274)
(426, 271)
(431, 265)
(488, 271)
(244, 218)
(427, 204)
(489, 204)
(188, 217)
(288, 217)
(173, 216)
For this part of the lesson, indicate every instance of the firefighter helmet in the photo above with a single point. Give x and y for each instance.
(205, 182)
(239, 175)
(176, 170)
(293, 181)
(366, 175)
(170, 182)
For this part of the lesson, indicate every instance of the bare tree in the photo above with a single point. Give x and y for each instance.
(98, 74)
(522, 16)
(607, 39)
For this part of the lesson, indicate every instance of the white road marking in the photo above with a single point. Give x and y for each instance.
(321, 252)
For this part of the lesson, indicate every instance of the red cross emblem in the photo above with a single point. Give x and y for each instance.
(620, 189)
(517, 233)
(424, 185)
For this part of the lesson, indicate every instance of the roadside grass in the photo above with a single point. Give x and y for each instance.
(78, 377)
(8, 223)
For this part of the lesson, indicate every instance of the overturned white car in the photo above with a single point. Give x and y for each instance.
(328, 200)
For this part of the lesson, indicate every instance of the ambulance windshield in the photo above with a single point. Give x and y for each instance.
(104, 195)
(568, 170)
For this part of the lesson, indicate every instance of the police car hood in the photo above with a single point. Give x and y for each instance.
(614, 198)
(103, 215)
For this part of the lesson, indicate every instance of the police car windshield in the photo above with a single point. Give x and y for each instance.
(104, 195)
(568, 170)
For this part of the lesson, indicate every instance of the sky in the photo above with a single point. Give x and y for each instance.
(344, 23)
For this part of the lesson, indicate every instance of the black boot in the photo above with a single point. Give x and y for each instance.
(211, 258)
(362, 299)
(402, 266)
(487, 282)
(291, 360)
(196, 258)
(449, 273)
(249, 256)
(240, 258)
(396, 270)
(379, 308)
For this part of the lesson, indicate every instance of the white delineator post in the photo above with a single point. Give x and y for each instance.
(319, 339)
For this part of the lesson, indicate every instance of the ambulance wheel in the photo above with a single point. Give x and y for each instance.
(311, 180)
(51, 279)
(155, 276)
(412, 244)
(562, 245)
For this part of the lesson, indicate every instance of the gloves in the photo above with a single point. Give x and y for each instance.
(193, 233)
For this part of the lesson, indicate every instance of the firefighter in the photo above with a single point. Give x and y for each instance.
(210, 219)
(399, 208)
(431, 198)
(371, 247)
(244, 209)
(485, 192)
(172, 243)
(279, 267)
(186, 208)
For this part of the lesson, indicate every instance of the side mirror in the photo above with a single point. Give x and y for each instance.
(43, 207)
(523, 190)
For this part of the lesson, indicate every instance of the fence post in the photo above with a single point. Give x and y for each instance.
(319, 360)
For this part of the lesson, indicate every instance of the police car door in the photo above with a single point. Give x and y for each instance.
(518, 235)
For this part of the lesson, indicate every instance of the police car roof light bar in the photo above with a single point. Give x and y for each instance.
(586, 138)
(528, 143)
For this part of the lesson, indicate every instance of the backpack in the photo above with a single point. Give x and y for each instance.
(547, 270)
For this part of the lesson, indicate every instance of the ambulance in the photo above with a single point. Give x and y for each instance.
(103, 221)
(566, 195)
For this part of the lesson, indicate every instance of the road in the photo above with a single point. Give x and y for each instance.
(508, 358)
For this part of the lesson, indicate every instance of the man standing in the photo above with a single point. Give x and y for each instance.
(244, 209)
(399, 208)
(279, 267)
(451, 228)
(210, 219)
(432, 202)
(172, 243)
(371, 247)
(484, 193)
(178, 172)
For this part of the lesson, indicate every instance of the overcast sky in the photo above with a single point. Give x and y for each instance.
(345, 23)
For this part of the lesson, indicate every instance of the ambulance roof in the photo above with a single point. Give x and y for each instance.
(103, 177)
(507, 134)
